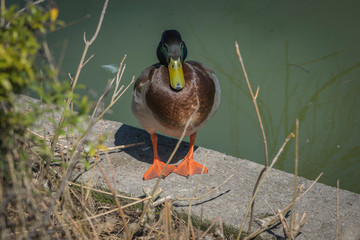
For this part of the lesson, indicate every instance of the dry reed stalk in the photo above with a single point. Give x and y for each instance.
(95, 161)
(80, 142)
(118, 92)
(295, 172)
(287, 231)
(94, 234)
(116, 209)
(273, 220)
(87, 218)
(192, 231)
(80, 66)
(193, 196)
(109, 149)
(17, 186)
(254, 98)
(263, 180)
(103, 192)
(211, 225)
(68, 146)
(82, 203)
(167, 214)
(117, 203)
(72, 163)
(337, 209)
(153, 228)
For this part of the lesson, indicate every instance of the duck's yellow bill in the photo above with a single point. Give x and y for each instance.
(177, 80)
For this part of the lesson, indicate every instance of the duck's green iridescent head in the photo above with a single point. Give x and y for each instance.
(172, 52)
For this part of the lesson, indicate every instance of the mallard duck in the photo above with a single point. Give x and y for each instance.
(167, 93)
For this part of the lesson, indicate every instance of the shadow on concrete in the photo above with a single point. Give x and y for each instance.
(127, 135)
(202, 202)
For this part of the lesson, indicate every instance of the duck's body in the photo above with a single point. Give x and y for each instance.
(159, 108)
(166, 95)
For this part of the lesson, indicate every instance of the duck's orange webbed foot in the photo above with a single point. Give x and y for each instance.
(189, 167)
(156, 168)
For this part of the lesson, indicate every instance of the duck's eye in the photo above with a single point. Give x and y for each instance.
(165, 46)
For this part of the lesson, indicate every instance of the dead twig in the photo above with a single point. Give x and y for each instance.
(337, 209)
(274, 219)
(211, 225)
(254, 97)
(81, 64)
(263, 180)
(193, 195)
(103, 192)
(117, 202)
(296, 173)
(72, 163)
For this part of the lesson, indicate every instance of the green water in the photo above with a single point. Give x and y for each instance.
(304, 55)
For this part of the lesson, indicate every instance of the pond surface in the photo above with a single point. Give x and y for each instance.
(304, 56)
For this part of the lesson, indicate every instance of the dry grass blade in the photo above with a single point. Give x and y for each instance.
(262, 181)
(254, 97)
(72, 163)
(168, 222)
(153, 228)
(121, 147)
(103, 192)
(211, 225)
(116, 92)
(295, 172)
(285, 225)
(193, 195)
(89, 220)
(273, 220)
(337, 209)
(117, 209)
(117, 202)
(96, 158)
(81, 63)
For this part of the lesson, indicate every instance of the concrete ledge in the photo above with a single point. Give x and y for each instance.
(229, 201)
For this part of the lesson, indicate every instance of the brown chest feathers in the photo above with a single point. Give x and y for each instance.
(173, 109)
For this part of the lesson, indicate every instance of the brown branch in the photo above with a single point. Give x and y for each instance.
(81, 64)
(254, 97)
(117, 202)
(285, 225)
(193, 195)
(263, 180)
(337, 209)
(273, 220)
(211, 225)
(101, 191)
(295, 172)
